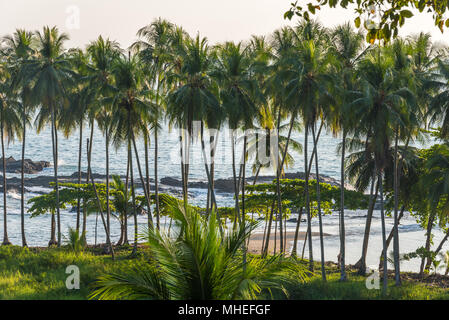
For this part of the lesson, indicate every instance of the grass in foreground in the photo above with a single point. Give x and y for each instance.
(355, 288)
(40, 274)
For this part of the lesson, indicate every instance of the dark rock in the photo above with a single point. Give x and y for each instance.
(227, 185)
(30, 166)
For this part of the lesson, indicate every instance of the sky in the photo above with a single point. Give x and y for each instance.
(218, 20)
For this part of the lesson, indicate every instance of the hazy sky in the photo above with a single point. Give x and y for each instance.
(217, 20)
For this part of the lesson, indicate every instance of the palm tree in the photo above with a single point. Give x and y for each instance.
(103, 53)
(10, 126)
(309, 87)
(347, 49)
(381, 105)
(193, 98)
(128, 101)
(79, 98)
(18, 50)
(49, 71)
(153, 48)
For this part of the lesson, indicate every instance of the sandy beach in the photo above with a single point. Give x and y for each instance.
(255, 242)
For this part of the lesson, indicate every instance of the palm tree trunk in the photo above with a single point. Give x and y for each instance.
(267, 238)
(133, 195)
(318, 195)
(125, 235)
(342, 210)
(309, 216)
(22, 178)
(209, 180)
(390, 236)
(156, 181)
(5, 215)
(183, 176)
(384, 240)
(307, 172)
(89, 155)
(243, 199)
(106, 229)
(78, 209)
(213, 144)
(108, 209)
(428, 241)
(55, 160)
(234, 174)
(147, 173)
(372, 201)
(278, 176)
(147, 197)
(257, 175)
(295, 242)
(52, 241)
(397, 272)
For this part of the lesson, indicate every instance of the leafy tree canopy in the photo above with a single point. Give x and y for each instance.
(382, 19)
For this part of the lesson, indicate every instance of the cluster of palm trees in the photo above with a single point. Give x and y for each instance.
(375, 97)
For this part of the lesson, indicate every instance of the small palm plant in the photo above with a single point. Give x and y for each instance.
(76, 241)
(199, 263)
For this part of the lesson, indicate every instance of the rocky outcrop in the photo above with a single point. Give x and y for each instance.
(227, 185)
(30, 166)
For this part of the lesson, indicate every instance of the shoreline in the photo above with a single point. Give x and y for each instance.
(256, 239)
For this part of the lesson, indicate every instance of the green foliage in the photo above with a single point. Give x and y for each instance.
(393, 14)
(261, 196)
(76, 241)
(198, 263)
